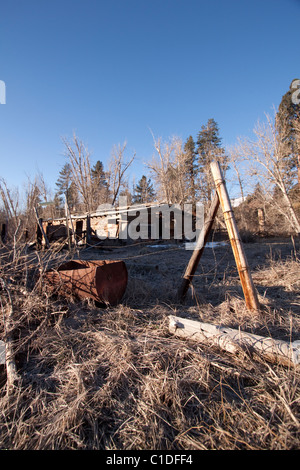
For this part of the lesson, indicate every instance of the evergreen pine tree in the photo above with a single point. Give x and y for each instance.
(66, 187)
(99, 175)
(143, 191)
(99, 182)
(191, 168)
(209, 149)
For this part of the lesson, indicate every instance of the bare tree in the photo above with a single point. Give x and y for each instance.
(271, 166)
(10, 200)
(79, 159)
(159, 167)
(169, 170)
(117, 170)
(297, 138)
(234, 161)
(180, 189)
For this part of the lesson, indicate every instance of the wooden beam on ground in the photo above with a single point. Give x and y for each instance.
(231, 340)
(200, 245)
(235, 240)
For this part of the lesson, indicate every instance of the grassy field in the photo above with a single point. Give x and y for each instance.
(116, 379)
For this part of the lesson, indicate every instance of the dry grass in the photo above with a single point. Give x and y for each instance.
(114, 378)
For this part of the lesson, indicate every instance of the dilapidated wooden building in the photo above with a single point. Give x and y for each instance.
(122, 225)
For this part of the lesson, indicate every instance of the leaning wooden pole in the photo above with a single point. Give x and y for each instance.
(199, 248)
(235, 240)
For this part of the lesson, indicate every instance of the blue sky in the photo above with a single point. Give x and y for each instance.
(111, 70)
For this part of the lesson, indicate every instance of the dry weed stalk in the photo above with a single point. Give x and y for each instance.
(115, 379)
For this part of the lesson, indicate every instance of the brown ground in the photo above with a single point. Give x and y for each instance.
(114, 378)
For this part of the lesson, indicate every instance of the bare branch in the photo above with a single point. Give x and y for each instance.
(117, 170)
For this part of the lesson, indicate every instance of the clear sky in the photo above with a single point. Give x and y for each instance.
(111, 70)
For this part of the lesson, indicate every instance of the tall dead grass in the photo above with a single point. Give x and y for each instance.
(114, 378)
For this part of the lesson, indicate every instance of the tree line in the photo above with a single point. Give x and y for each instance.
(265, 170)
(178, 173)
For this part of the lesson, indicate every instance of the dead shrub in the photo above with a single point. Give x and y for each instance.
(114, 378)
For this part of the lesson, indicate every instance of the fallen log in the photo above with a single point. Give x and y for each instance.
(231, 340)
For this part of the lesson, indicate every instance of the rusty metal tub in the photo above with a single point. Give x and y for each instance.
(103, 281)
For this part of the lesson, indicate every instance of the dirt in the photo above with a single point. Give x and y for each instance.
(114, 378)
(158, 269)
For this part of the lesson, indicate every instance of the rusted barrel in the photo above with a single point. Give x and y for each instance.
(103, 281)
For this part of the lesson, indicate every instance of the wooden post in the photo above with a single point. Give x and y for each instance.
(40, 224)
(231, 340)
(88, 230)
(200, 245)
(68, 217)
(235, 240)
(3, 234)
(261, 220)
(11, 367)
(67, 226)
